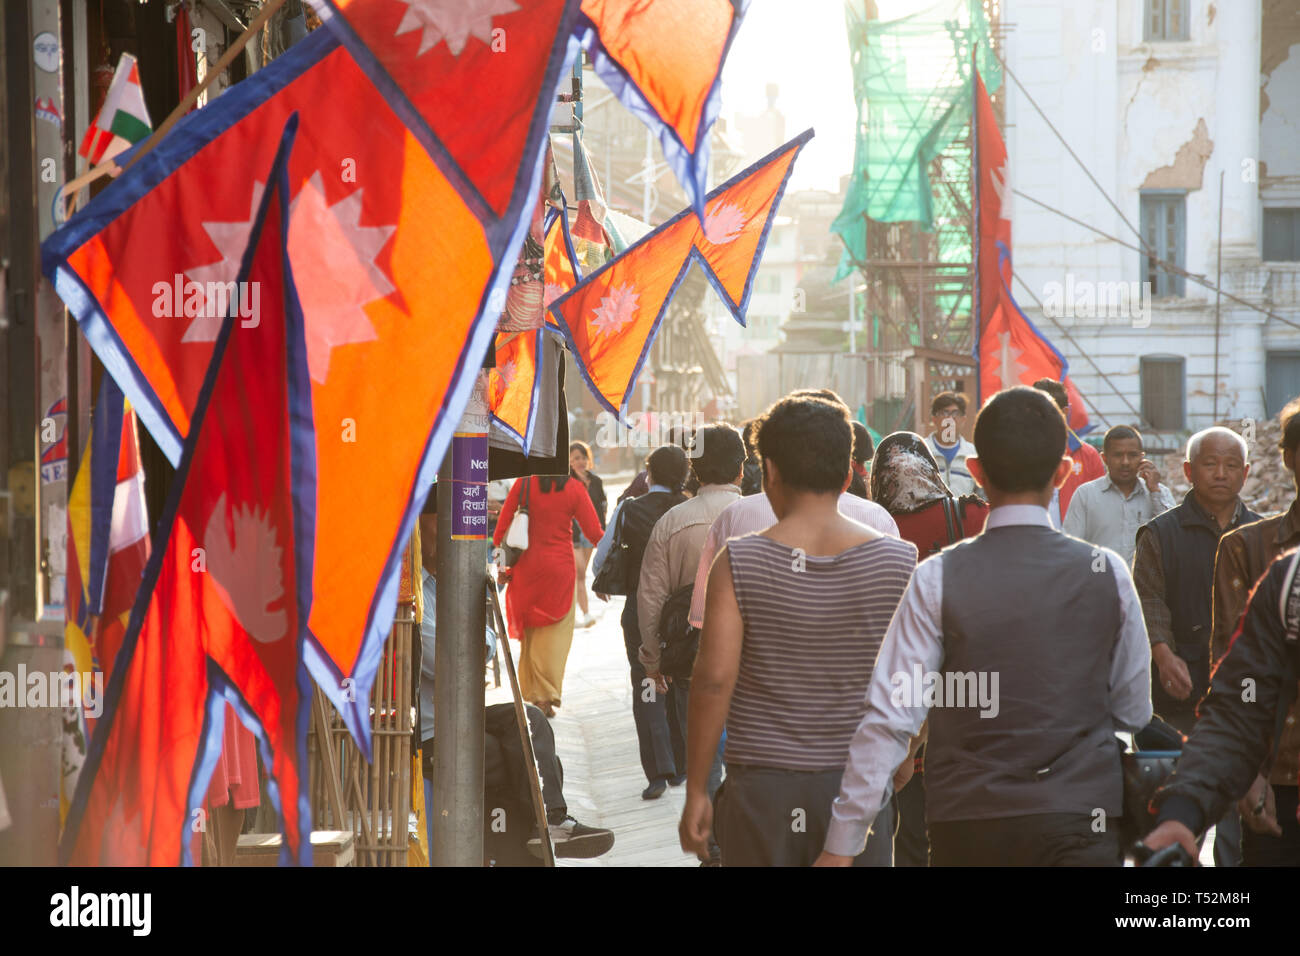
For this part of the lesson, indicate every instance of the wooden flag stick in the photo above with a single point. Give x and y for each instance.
(84, 180)
(521, 721)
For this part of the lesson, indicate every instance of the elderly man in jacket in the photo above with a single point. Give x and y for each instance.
(1271, 836)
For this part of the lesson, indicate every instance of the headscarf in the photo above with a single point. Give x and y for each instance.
(904, 477)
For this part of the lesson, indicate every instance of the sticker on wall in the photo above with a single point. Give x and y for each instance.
(47, 111)
(46, 47)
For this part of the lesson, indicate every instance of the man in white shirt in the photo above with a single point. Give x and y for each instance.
(950, 450)
(1023, 694)
(1108, 511)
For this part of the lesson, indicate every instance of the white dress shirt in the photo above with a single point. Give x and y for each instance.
(1101, 514)
(916, 635)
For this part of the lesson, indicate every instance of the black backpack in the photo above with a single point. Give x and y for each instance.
(678, 641)
(612, 577)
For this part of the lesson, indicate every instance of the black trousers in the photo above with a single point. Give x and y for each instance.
(660, 719)
(766, 816)
(1040, 839)
(505, 774)
(911, 841)
(1263, 849)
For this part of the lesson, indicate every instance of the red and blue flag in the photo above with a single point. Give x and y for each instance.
(663, 60)
(222, 612)
(397, 261)
(1009, 349)
(611, 316)
(475, 80)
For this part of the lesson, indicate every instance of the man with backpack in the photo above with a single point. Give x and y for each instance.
(659, 730)
(673, 554)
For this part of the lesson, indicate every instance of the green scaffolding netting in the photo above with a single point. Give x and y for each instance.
(912, 83)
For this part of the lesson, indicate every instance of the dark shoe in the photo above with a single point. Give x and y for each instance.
(678, 780)
(573, 840)
(655, 790)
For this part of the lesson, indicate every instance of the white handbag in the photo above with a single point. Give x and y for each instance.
(517, 533)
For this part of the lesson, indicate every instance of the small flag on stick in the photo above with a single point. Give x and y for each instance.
(123, 120)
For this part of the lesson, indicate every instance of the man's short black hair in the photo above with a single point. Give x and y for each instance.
(863, 446)
(944, 399)
(1020, 439)
(668, 467)
(809, 441)
(1289, 418)
(721, 453)
(825, 394)
(747, 429)
(1054, 388)
(1120, 433)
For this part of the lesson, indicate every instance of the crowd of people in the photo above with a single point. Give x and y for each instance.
(926, 651)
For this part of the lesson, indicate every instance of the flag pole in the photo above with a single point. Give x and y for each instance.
(109, 166)
(461, 619)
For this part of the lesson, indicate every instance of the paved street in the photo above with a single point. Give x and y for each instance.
(596, 741)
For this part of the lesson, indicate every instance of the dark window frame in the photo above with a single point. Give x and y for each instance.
(1280, 240)
(1168, 411)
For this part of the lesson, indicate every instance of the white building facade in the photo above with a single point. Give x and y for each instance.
(1158, 98)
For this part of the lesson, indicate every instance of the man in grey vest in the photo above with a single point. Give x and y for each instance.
(1026, 649)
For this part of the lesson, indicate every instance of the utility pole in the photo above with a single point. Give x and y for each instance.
(461, 617)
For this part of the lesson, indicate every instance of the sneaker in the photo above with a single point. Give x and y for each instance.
(573, 840)
(586, 620)
(655, 790)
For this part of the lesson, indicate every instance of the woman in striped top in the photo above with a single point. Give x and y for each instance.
(793, 621)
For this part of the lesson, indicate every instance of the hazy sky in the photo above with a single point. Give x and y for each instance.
(802, 46)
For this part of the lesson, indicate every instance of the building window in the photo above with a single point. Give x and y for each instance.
(1282, 235)
(1165, 20)
(1164, 227)
(1163, 391)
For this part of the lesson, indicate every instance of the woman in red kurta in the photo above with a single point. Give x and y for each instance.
(540, 596)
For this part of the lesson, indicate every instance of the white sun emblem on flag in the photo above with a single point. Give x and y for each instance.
(551, 291)
(1010, 368)
(333, 258)
(724, 223)
(231, 239)
(452, 20)
(616, 310)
